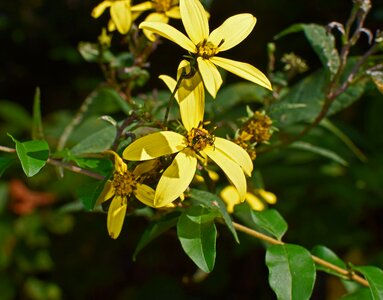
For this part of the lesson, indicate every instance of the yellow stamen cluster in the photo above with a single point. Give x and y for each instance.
(124, 183)
(162, 6)
(199, 139)
(256, 130)
(206, 49)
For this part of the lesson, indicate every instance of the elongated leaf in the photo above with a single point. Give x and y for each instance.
(291, 271)
(5, 163)
(329, 256)
(102, 139)
(37, 125)
(374, 276)
(322, 41)
(268, 221)
(88, 193)
(197, 234)
(214, 202)
(319, 150)
(33, 155)
(304, 101)
(155, 229)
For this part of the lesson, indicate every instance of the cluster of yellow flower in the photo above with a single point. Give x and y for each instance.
(198, 145)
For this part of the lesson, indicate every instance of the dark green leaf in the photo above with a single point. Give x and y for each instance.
(98, 141)
(360, 294)
(106, 100)
(304, 101)
(5, 162)
(329, 256)
(155, 229)
(215, 203)
(292, 271)
(318, 150)
(37, 125)
(374, 276)
(269, 221)
(197, 234)
(15, 114)
(321, 41)
(33, 155)
(88, 193)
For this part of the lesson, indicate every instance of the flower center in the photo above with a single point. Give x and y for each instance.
(124, 183)
(162, 5)
(199, 139)
(206, 49)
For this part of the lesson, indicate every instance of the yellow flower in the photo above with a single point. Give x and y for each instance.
(196, 144)
(231, 197)
(123, 185)
(104, 39)
(204, 46)
(120, 13)
(163, 10)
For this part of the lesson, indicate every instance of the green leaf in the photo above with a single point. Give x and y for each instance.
(374, 276)
(269, 220)
(37, 125)
(106, 100)
(88, 193)
(360, 294)
(155, 229)
(101, 140)
(329, 256)
(322, 41)
(291, 271)
(318, 150)
(5, 163)
(304, 101)
(33, 155)
(214, 203)
(15, 114)
(197, 233)
(91, 52)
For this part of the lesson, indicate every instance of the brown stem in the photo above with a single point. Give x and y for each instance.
(317, 260)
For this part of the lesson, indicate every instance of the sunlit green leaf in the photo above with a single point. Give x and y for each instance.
(291, 271)
(197, 233)
(33, 155)
(374, 276)
(215, 203)
(268, 221)
(155, 229)
(318, 150)
(360, 294)
(321, 40)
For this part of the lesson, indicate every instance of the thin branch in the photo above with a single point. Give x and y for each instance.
(316, 259)
(74, 168)
(7, 149)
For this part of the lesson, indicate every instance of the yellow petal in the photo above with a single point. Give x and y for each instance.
(99, 9)
(145, 194)
(116, 215)
(154, 17)
(231, 197)
(210, 76)
(176, 178)
(195, 20)
(147, 5)
(236, 153)
(254, 202)
(232, 170)
(268, 196)
(111, 26)
(145, 167)
(243, 70)
(155, 145)
(174, 12)
(121, 16)
(233, 31)
(170, 33)
(107, 192)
